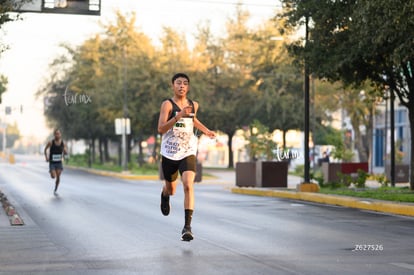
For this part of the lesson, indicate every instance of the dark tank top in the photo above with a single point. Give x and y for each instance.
(179, 141)
(176, 109)
(55, 154)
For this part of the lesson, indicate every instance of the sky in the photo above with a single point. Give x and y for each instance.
(34, 42)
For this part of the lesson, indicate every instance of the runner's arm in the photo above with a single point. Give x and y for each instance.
(45, 151)
(163, 123)
(200, 126)
(65, 149)
(65, 156)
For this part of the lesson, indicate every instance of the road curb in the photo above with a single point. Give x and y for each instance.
(351, 202)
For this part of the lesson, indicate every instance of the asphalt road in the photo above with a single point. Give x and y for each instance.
(103, 225)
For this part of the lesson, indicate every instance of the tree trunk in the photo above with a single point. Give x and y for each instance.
(140, 152)
(359, 143)
(128, 146)
(106, 150)
(230, 144)
(93, 150)
(101, 155)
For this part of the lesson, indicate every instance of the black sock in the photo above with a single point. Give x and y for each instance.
(188, 217)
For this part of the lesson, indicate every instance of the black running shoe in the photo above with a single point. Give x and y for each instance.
(186, 234)
(165, 205)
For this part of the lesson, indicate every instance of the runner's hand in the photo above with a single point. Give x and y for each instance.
(211, 134)
(187, 110)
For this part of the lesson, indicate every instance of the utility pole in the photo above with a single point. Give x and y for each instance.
(125, 111)
(392, 141)
(306, 102)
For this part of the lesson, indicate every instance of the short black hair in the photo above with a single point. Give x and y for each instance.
(178, 75)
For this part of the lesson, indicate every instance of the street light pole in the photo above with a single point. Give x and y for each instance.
(125, 115)
(306, 116)
(392, 141)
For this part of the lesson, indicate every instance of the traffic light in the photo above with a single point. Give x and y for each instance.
(85, 7)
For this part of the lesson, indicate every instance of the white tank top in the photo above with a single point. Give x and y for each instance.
(179, 142)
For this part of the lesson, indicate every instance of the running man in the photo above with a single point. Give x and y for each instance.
(179, 147)
(56, 151)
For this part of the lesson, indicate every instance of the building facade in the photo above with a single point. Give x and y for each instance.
(382, 136)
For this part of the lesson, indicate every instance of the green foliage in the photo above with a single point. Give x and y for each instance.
(345, 179)
(327, 135)
(343, 154)
(299, 170)
(260, 140)
(316, 175)
(334, 185)
(340, 151)
(320, 180)
(383, 193)
(78, 160)
(340, 33)
(81, 160)
(361, 179)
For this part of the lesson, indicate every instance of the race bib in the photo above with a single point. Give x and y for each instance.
(180, 141)
(185, 124)
(56, 157)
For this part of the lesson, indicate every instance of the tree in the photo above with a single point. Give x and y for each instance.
(133, 57)
(116, 71)
(343, 31)
(234, 78)
(251, 78)
(357, 102)
(227, 77)
(388, 29)
(277, 81)
(260, 144)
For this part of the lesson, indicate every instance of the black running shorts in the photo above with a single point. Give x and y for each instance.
(170, 168)
(55, 166)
